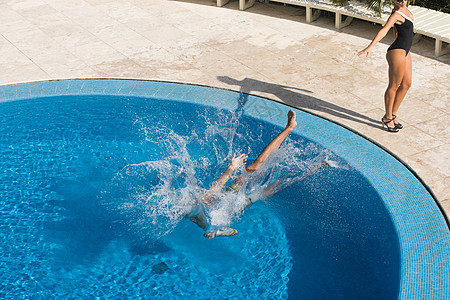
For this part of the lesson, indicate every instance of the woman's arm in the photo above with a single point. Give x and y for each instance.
(381, 34)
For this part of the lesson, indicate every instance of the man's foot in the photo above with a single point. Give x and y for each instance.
(324, 164)
(224, 231)
(292, 123)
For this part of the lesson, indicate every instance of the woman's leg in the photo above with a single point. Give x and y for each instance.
(397, 62)
(404, 86)
(274, 144)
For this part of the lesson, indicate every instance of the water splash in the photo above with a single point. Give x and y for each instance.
(152, 197)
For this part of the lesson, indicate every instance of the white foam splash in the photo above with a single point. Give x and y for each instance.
(152, 197)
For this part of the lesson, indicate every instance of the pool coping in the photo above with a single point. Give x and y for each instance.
(420, 221)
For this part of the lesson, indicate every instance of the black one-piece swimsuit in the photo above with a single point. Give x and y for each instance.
(405, 34)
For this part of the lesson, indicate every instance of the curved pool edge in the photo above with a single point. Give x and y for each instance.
(420, 221)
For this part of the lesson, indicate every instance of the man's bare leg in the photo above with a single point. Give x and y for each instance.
(274, 144)
(268, 150)
(273, 188)
(255, 165)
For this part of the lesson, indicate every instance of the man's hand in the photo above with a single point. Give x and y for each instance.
(236, 162)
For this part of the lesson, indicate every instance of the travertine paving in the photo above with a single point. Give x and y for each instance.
(268, 50)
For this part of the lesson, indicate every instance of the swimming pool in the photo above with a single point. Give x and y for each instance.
(88, 165)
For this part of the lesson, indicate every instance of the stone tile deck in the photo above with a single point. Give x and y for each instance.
(268, 50)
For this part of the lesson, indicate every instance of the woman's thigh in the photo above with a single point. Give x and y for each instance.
(407, 76)
(397, 66)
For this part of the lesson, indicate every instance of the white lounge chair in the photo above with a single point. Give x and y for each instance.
(428, 22)
(433, 24)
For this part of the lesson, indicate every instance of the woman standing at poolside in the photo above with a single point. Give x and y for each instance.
(399, 60)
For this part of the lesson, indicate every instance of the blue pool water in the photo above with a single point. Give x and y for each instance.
(95, 186)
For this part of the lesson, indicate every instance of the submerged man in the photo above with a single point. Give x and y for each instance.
(217, 186)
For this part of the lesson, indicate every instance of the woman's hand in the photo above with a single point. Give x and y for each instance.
(236, 162)
(365, 51)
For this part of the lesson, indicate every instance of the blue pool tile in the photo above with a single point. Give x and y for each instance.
(9, 92)
(195, 94)
(125, 89)
(92, 87)
(49, 89)
(63, 87)
(163, 90)
(177, 93)
(145, 88)
(22, 93)
(74, 87)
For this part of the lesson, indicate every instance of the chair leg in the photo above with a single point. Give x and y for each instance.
(339, 23)
(312, 14)
(221, 3)
(243, 5)
(439, 48)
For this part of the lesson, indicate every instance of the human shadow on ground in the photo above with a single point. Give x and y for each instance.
(298, 98)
